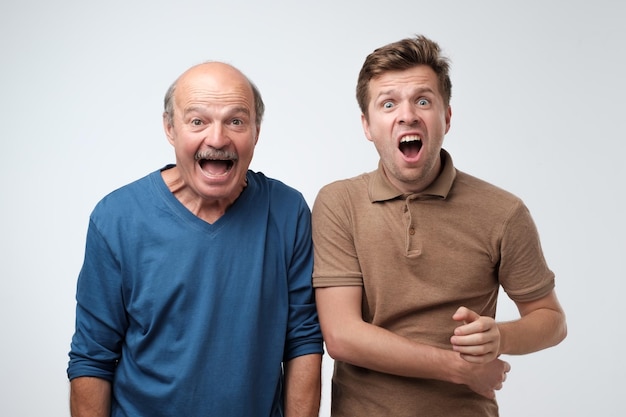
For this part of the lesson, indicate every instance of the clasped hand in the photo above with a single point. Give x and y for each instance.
(478, 339)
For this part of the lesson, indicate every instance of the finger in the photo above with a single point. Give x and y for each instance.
(466, 315)
(482, 329)
(476, 359)
(475, 349)
(472, 334)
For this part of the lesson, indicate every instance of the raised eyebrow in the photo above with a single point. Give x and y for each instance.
(384, 93)
(192, 109)
(425, 90)
(234, 111)
(240, 110)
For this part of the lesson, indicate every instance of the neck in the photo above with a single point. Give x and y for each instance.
(204, 207)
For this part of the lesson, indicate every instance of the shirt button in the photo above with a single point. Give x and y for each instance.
(411, 231)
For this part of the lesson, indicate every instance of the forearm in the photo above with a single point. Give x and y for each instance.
(372, 347)
(303, 376)
(350, 339)
(384, 351)
(540, 329)
(541, 325)
(90, 397)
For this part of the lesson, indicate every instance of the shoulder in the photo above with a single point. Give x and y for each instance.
(273, 185)
(278, 196)
(343, 199)
(346, 188)
(481, 199)
(127, 197)
(469, 185)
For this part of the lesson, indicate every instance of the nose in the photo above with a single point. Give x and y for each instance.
(408, 115)
(215, 136)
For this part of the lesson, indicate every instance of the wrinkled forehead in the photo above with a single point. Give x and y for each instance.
(418, 76)
(214, 83)
(416, 80)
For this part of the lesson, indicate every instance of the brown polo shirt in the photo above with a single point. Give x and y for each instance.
(419, 257)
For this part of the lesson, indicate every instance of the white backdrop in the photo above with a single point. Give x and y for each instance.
(538, 92)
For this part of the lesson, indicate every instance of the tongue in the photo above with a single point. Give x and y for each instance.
(411, 149)
(215, 167)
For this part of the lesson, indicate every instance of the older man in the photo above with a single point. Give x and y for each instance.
(195, 294)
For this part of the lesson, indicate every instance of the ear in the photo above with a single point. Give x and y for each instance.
(366, 127)
(258, 132)
(168, 128)
(448, 117)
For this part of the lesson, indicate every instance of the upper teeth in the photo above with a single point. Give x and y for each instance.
(410, 138)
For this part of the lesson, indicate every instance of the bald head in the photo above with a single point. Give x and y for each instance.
(213, 74)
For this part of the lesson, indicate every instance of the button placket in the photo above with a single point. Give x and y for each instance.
(413, 241)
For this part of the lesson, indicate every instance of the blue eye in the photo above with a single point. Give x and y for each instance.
(423, 102)
(387, 105)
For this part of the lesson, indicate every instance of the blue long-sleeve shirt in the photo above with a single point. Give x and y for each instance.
(187, 318)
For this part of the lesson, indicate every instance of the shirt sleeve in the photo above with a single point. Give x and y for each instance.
(336, 260)
(523, 271)
(100, 315)
(304, 335)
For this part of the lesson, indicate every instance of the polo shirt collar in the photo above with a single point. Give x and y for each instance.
(380, 189)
